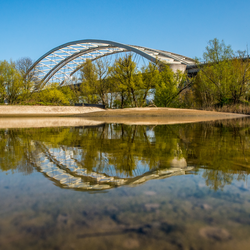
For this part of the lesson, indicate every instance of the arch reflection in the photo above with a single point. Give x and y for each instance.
(113, 155)
(65, 171)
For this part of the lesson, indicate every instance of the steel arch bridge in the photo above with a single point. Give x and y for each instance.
(62, 62)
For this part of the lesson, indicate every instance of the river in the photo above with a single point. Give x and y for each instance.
(117, 186)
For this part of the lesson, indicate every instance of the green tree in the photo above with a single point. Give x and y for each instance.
(217, 51)
(53, 94)
(102, 84)
(128, 79)
(240, 72)
(224, 78)
(169, 87)
(150, 78)
(89, 80)
(11, 83)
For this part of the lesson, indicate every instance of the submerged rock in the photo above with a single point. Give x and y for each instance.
(215, 233)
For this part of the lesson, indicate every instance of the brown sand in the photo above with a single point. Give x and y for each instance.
(157, 116)
(38, 111)
(89, 116)
(152, 120)
(42, 122)
(149, 116)
(159, 112)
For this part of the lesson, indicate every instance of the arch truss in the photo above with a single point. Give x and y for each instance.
(62, 62)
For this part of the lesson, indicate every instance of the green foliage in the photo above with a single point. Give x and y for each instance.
(102, 85)
(13, 148)
(52, 94)
(224, 79)
(150, 79)
(89, 79)
(10, 82)
(217, 51)
(121, 85)
(168, 88)
(128, 80)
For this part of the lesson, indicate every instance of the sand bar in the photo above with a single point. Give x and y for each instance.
(157, 116)
(155, 120)
(38, 111)
(48, 116)
(159, 112)
(43, 122)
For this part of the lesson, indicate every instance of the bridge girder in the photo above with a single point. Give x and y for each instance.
(64, 61)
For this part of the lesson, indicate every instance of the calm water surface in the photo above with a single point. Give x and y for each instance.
(126, 187)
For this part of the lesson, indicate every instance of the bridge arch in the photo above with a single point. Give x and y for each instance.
(63, 61)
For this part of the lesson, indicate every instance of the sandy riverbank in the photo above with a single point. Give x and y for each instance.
(160, 113)
(157, 116)
(76, 111)
(46, 122)
(45, 111)
(49, 116)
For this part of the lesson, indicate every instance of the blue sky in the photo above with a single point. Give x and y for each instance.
(31, 28)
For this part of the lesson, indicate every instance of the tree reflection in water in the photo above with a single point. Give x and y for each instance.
(96, 158)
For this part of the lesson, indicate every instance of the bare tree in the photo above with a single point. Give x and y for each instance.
(29, 77)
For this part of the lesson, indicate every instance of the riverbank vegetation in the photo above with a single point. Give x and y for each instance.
(222, 83)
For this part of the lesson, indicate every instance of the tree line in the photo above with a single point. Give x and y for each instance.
(223, 80)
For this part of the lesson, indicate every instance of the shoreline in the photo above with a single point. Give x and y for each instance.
(159, 112)
(49, 122)
(44, 111)
(76, 111)
(70, 116)
(46, 122)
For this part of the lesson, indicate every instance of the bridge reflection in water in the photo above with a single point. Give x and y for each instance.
(180, 212)
(103, 157)
(67, 172)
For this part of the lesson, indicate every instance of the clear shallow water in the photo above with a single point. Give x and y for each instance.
(126, 187)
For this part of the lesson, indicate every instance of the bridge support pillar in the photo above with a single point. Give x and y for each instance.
(181, 67)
